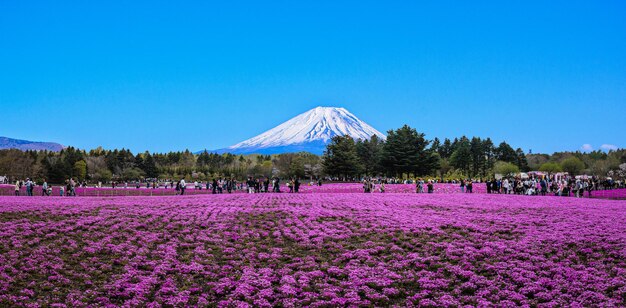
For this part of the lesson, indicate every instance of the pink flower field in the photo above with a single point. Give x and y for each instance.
(328, 250)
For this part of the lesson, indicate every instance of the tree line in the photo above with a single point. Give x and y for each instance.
(405, 153)
(101, 165)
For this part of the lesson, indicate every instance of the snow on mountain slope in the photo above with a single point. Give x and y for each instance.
(309, 131)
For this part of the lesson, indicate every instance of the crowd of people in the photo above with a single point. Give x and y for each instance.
(540, 185)
(421, 186)
(570, 186)
(216, 186)
(250, 185)
(68, 189)
(533, 185)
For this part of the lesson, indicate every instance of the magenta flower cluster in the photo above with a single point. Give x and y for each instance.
(320, 250)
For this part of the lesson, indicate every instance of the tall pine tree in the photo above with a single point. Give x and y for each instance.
(406, 152)
(340, 158)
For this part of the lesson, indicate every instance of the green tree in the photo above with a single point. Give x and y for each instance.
(435, 145)
(461, 158)
(296, 168)
(478, 156)
(572, 165)
(405, 151)
(132, 174)
(550, 168)
(80, 169)
(149, 166)
(489, 151)
(340, 157)
(505, 168)
(103, 175)
(504, 152)
(444, 167)
(369, 153)
(522, 163)
(445, 150)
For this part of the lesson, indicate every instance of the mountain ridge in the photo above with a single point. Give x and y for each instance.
(25, 145)
(309, 132)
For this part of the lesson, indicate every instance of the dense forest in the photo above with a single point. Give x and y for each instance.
(405, 153)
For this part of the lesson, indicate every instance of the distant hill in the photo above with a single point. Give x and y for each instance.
(24, 145)
(308, 132)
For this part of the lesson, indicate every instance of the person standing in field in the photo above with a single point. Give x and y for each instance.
(17, 188)
(214, 186)
(276, 185)
(296, 185)
(250, 184)
(29, 187)
(183, 186)
(72, 187)
(44, 188)
(505, 186)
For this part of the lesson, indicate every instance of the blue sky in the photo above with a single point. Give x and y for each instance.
(160, 76)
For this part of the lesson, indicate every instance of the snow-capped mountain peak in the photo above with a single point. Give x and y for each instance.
(312, 129)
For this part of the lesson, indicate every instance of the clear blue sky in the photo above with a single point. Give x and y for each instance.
(171, 75)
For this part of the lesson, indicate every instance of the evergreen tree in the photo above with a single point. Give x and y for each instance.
(521, 162)
(369, 152)
(461, 158)
(405, 151)
(478, 156)
(340, 157)
(505, 153)
(489, 150)
(445, 150)
(149, 166)
(434, 146)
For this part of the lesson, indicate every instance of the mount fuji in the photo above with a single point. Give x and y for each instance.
(309, 132)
